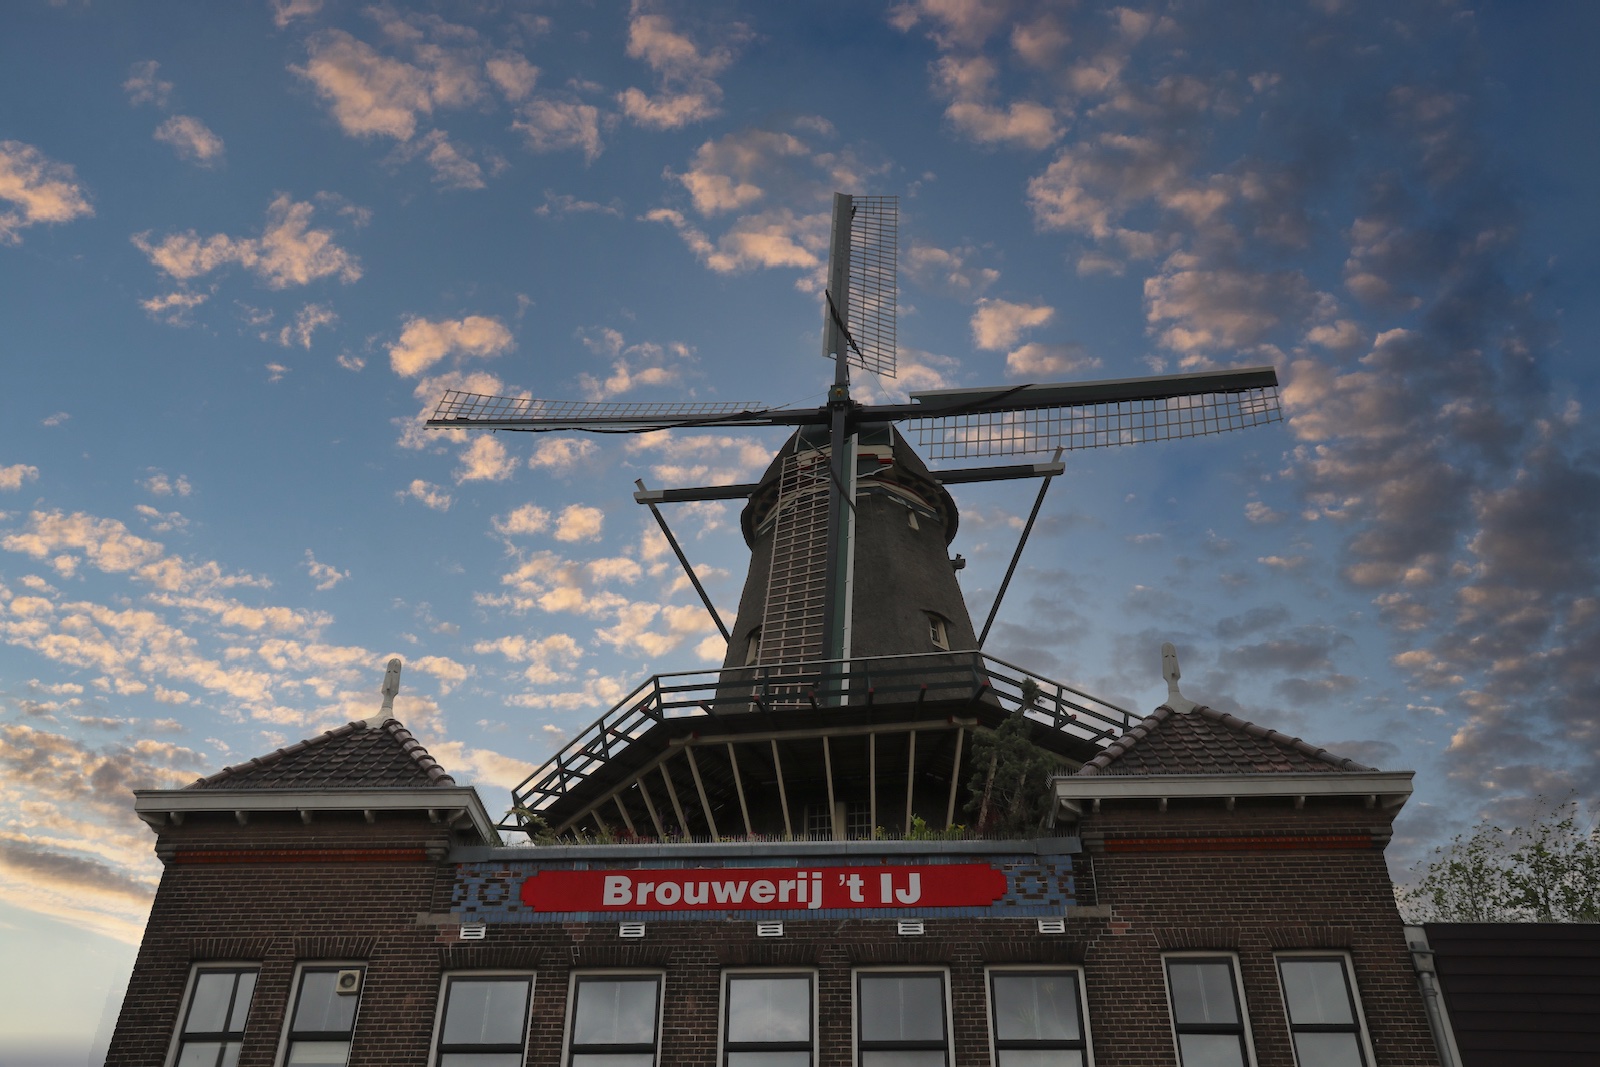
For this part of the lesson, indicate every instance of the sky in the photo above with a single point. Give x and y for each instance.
(244, 248)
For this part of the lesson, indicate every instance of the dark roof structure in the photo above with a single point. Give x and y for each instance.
(355, 756)
(1207, 741)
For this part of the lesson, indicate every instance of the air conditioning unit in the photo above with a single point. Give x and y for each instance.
(348, 982)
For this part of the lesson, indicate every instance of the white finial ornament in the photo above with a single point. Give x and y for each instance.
(390, 690)
(1169, 670)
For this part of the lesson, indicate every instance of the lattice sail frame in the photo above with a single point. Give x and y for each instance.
(1094, 425)
(874, 280)
(459, 407)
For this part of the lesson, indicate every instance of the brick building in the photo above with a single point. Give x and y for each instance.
(1208, 886)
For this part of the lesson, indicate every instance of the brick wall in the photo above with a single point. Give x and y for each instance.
(1249, 898)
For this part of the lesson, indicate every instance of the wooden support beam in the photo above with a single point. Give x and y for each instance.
(738, 787)
(833, 807)
(650, 806)
(955, 780)
(783, 794)
(599, 821)
(672, 794)
(622, 810)
(700, 788)
(911, 775)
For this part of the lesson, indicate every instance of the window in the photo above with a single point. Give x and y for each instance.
(901, 1019)
(1324, 1018)
(1038, 1019)
(1206, 1012)
(614, 1020)
(213, 1021)
(752, 647)
(938, 631)
(323, 1016)
(483, 1020)
(767, 1020)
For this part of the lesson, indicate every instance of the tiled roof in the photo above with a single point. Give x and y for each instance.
(355, 756)
(1207, 741)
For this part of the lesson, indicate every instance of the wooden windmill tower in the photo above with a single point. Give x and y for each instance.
(852, 637)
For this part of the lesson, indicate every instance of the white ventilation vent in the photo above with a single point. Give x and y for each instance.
(769, 929)
(911, 928)
(348, 982)
(1053, 926)
(474, 931)
(630, 930)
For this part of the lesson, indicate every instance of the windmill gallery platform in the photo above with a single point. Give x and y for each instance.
(761, 866)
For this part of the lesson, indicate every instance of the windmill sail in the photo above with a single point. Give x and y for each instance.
(874, 271)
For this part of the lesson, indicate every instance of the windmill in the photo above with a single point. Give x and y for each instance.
(798, 610)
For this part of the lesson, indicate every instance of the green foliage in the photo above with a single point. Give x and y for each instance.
(921, 831)
(1010, 780)
(1547, 871)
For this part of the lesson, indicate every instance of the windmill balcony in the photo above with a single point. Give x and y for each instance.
(830, 749)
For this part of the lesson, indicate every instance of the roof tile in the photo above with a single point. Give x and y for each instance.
(1207, 741)
(355, 756)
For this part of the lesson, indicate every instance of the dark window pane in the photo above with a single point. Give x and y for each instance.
(621, 1012)
(1202, 992)
(769, 1059)
(241, 1002)
(902, 1008)
(321, 1008)
(1041, 1058)
(318, 1054)
(1211, 1050)
(1036, 1007)
(481, 1059)
(1327, 1050)
(1316, 992)
(486, 1012)
(615, 1059)
(208, 1008)
(928, 1058)
(199, 1054)
(769, 1009)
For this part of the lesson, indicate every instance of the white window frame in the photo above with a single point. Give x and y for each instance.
(1238, 992)
(444, 993)
(612, 972)
(856, 974)
(1350, 984)
(938, 631)
(292, 1003)
(176, 1044)
(1037, 969)
(809, 973)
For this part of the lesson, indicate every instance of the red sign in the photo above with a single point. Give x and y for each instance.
(954, 885)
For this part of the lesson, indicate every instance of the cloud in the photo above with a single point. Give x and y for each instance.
(567, 204)
(288, 252)
(552, 125)
(430, 495)
(173, 308)
(159, 484)
(307, 321)
(632, 365)
(107, 545)
(561, 454)
(951, 23)
(39, 189)
(191, 139)
(512, 74)
(578, 522)
(485, 460)
(968, 82)
(521, 521)
(1034, 360)
(322, 574)
(777, 238)
(452, 167)
(996, 324)
(423, 343)
(286, 11)
(723, 174)
(1193, 309)
(686, 91)
(16, 474)
(950, 268)
(373, 95)
(711, 459)
(145, 86)
(550, 658)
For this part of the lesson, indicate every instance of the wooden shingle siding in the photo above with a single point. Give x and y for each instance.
(1521, 993)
